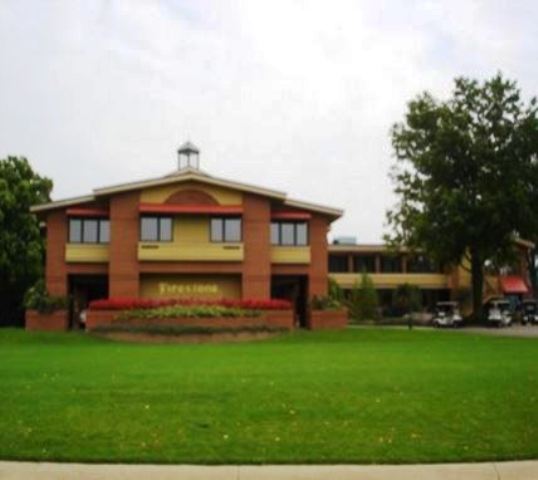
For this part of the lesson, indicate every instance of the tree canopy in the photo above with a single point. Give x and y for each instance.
(466, 174)
(21, 245)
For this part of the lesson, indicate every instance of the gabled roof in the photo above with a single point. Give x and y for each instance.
(186, 175)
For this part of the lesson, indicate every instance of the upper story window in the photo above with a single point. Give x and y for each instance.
(391, 264)
(289, 233)
(422, 264)
(156, 229)
(226, 229)
(89, 230)
(364, 263)
(338, 264)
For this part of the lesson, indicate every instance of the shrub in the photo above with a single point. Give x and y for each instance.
(363, 303)
(145, 303)
(37, 298)
(335, 291)
(184, 329)
(196, 311)
(325, 303)
(407, 298)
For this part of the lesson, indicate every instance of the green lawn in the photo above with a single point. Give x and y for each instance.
(362, 395)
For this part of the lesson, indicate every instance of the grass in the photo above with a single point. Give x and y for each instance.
(362, 395)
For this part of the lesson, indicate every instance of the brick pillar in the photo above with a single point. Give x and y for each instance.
(318, 270)
(55, 270)
(123, 267)
(256, 279)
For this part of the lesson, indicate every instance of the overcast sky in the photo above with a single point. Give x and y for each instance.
(292, 95)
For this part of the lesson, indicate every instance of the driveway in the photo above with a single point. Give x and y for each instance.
(530, 331)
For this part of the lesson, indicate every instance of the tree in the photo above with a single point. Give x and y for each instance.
(363, 302)
(21, 245)
(407, 298)
(466, 175)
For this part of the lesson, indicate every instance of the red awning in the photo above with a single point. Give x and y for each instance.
(290, 215)
(191, 209)
(513, 284)
(87, 212)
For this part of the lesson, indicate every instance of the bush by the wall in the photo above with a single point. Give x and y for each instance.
(363, 302)
(325, 303)
(37, 298)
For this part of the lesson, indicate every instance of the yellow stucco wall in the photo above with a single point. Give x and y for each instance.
(191, 242)
(393, 280)
(191, 229)
(224, 196)
(212, 287)
(290, 255)
(86, 253)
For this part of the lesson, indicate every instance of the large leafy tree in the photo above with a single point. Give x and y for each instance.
(466, 175)
(21, 245)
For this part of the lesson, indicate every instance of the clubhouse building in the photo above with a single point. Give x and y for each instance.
(186, 235)
(191, 235)
(388, 270)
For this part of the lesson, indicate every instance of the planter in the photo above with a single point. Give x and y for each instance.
(54, 321)
(272, 318)
(328, 319)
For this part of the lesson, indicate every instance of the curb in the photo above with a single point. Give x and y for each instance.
(522, 470)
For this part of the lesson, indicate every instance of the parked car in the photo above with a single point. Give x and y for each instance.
(499, 313)
(447, 314)
(529, 311)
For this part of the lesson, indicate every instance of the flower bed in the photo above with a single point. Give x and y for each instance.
(196, 316)
(146, 303)
(195, 311)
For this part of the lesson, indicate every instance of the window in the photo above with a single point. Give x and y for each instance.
(225, 229)
(364, 263)
(422, 264)
(156, 229)
(89, 230)
(104, 231)
(289, 233)
(391, 264)
(338, 263)
(75, 230)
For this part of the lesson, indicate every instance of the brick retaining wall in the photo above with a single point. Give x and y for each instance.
(328, 319)
(55, 321)
(272, 318)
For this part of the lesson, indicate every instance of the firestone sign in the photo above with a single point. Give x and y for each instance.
(166, 289)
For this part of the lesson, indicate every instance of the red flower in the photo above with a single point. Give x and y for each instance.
(122, 303)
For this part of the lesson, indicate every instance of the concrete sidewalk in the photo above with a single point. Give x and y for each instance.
(526, 470)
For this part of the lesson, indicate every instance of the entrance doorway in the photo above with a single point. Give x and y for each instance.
(82, 290)
(293, 288)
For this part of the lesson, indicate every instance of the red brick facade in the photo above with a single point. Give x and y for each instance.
(123, 263)
(123, 270)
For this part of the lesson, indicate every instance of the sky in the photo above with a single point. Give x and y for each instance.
(297, 96)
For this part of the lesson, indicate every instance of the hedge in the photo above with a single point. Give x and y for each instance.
(126, 303)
